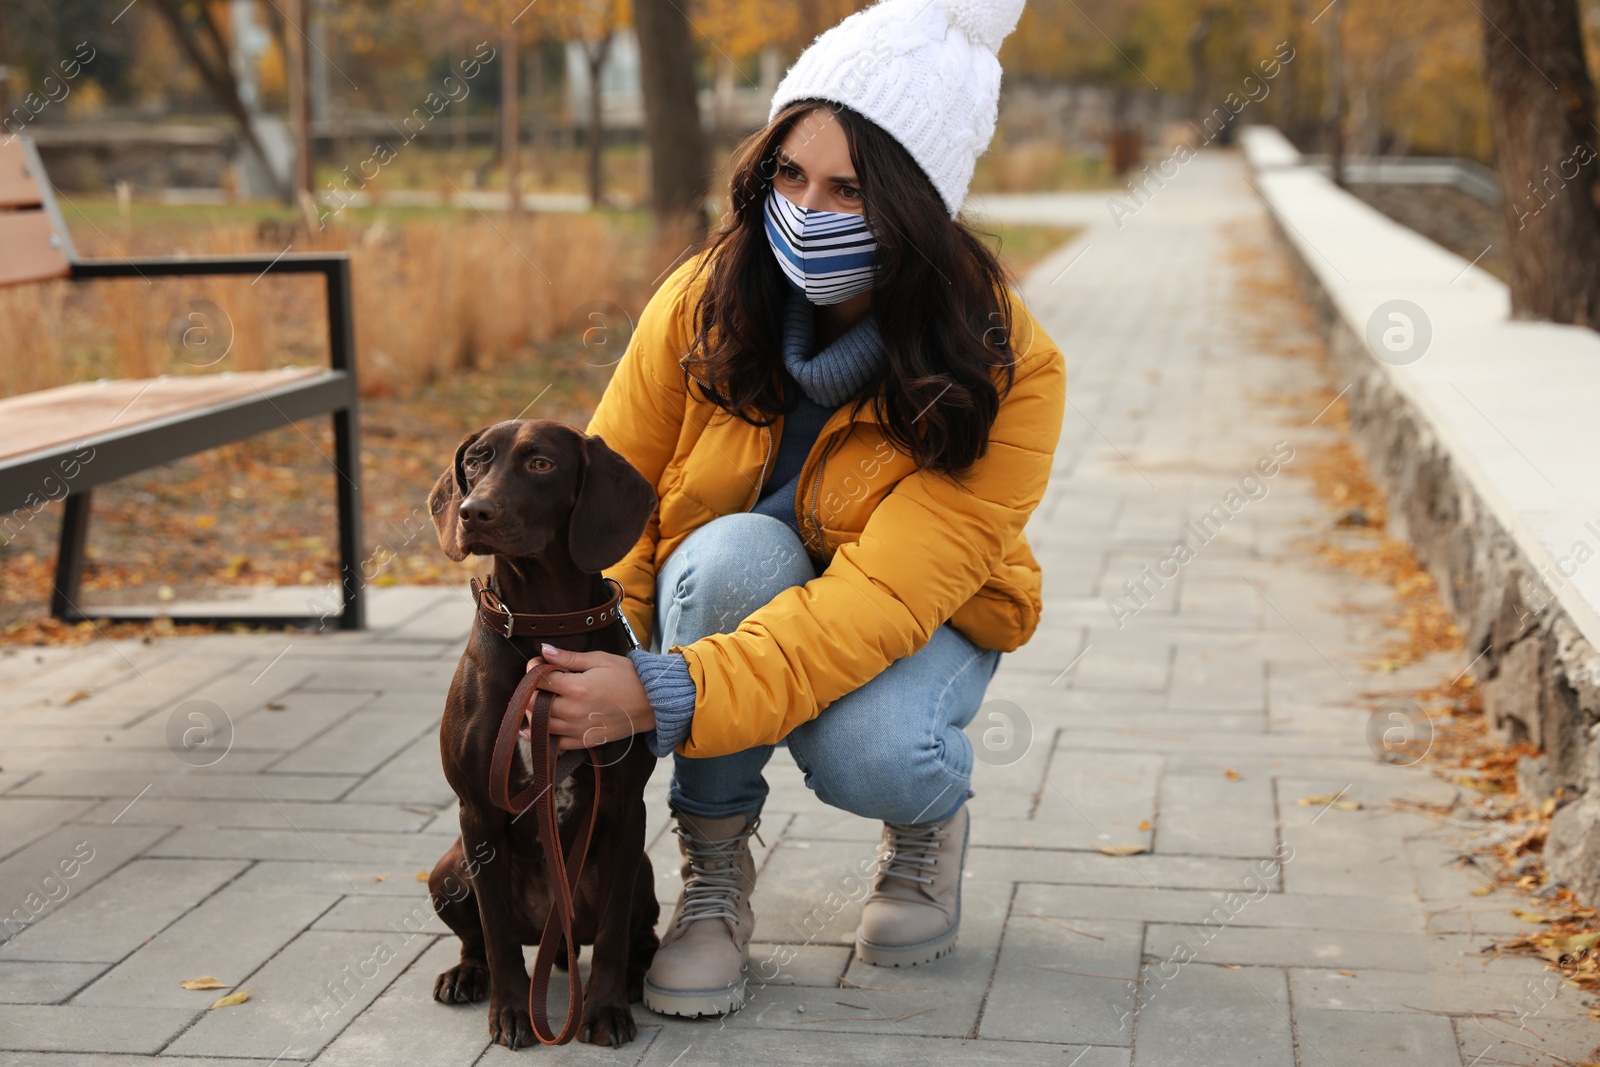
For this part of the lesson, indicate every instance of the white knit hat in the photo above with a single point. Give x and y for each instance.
(924, 70)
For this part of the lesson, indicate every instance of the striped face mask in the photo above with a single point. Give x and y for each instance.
(828, 256)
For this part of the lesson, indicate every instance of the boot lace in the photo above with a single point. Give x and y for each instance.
(713, 887)
(913, 852)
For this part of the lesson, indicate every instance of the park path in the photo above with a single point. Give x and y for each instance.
(1185, 727)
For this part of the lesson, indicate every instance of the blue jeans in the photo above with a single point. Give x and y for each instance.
(892, 750)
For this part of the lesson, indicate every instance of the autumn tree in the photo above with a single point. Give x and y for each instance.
(1542, 111)
(593, 24)
(1333, 96)
(199, 30)
(512, 23)
(1414, 74)
(679, 159)
(815, 16)
(296, 17)
(1079, 41)
(736, 29)
(1221, 52)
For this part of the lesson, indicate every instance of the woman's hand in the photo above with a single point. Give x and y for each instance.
(598, 698)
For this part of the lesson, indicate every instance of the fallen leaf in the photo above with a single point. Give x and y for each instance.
(1483, 890)
(1348, 974)
(422, 876)
(1144, 824)
(1576, 943)
(1347, 805)
(75, 696)
(233, 998)
(380, 878)
(1121, 850)
(1232, 775)
(273, 705)
(1530, 916)
(1320, 799)
(1230, 966)
(207, 982)
(205, 522)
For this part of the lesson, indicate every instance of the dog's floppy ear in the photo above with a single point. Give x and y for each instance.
(614, 504)
(444, 503)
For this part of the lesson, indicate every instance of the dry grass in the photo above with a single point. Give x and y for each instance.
(32, 323)
(1036, 164)
(433, 297)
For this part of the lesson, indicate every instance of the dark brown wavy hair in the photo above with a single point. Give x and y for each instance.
(946, 330)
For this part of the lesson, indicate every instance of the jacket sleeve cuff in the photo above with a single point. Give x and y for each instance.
(672, 694)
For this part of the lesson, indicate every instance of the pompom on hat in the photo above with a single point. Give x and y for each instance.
(924, 70)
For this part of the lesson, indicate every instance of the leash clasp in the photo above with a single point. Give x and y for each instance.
(627, 627)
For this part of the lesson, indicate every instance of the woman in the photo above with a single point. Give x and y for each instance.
(848, 420)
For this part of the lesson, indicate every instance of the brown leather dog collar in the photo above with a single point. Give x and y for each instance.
(495, 616)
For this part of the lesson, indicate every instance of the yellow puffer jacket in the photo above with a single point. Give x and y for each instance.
(905, 550)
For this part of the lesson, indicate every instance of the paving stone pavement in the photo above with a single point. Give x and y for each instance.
(1251, 929)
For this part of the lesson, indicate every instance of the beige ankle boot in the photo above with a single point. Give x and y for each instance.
(699, 968)
(914, 910)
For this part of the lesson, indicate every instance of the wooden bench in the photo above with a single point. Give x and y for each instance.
(62, 443)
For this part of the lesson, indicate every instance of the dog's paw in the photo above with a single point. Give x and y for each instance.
(509, 1024)
(608, 1024)
(465, 983)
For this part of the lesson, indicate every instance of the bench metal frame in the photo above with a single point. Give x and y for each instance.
(140, 446)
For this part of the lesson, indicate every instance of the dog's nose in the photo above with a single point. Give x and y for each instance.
(479, 513)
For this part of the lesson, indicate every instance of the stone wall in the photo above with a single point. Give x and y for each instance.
(1540, 676)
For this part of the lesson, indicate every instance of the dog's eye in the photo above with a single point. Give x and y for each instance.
(541, 464)
(475, 463)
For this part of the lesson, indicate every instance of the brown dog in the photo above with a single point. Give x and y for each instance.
(553, 507)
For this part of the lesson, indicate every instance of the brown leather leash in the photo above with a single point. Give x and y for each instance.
(532, 704)
(551, 767)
